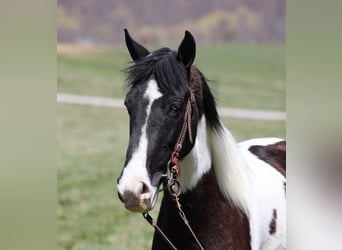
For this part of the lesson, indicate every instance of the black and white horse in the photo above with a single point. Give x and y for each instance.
(232, 194)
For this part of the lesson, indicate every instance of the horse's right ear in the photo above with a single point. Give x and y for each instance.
(135, 49)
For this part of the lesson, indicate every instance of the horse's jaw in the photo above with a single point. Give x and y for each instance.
(198, 161)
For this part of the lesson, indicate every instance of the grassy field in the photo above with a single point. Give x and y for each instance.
(92, 141)
(243, 77)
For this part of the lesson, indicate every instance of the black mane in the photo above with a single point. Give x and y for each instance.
(209, 104)
(163, 65)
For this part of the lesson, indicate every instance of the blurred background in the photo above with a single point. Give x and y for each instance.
(240, 49)
(163, 22)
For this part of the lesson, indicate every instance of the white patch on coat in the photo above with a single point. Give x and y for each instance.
(135, 171)
(268, 194)
(198, 161)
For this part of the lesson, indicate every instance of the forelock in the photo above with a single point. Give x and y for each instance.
(161, 65)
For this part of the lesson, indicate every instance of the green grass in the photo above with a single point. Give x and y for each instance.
(92, 73)
(243, 77)
(92, 141)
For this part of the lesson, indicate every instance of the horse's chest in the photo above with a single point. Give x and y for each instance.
(216, 223)
(222, 226)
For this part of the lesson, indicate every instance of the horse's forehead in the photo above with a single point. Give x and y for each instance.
(141, 97)
(152, 91)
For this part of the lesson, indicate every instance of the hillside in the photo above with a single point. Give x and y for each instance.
(164, 21)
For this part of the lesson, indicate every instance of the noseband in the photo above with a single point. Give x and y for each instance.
(173, 172)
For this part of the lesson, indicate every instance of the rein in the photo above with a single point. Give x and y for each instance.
(173, 172)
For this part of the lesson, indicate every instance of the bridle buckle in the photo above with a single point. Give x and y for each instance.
(172, 174)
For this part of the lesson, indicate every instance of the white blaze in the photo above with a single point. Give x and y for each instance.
(135, 171)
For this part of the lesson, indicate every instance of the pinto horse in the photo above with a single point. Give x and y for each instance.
(231, 194)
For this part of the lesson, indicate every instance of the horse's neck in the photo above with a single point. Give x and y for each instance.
(205, 194)
(217, 148)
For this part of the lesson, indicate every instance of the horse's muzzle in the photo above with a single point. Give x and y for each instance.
(140, 199)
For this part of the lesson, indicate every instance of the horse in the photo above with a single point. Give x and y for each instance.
(218, 194)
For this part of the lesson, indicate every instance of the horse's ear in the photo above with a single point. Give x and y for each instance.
(135, 49)
(187, 50)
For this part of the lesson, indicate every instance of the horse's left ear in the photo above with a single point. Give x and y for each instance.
(135, 49)
(187, 50)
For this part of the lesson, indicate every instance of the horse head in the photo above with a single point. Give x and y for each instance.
(162, 84)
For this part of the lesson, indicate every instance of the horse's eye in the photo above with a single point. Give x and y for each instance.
(176, 106)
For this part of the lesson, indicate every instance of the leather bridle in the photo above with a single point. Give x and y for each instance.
(173, 169)
(173, 172)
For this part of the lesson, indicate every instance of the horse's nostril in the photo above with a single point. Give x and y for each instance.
(144, 189)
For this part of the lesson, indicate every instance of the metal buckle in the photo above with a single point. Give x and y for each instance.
(172, 180)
